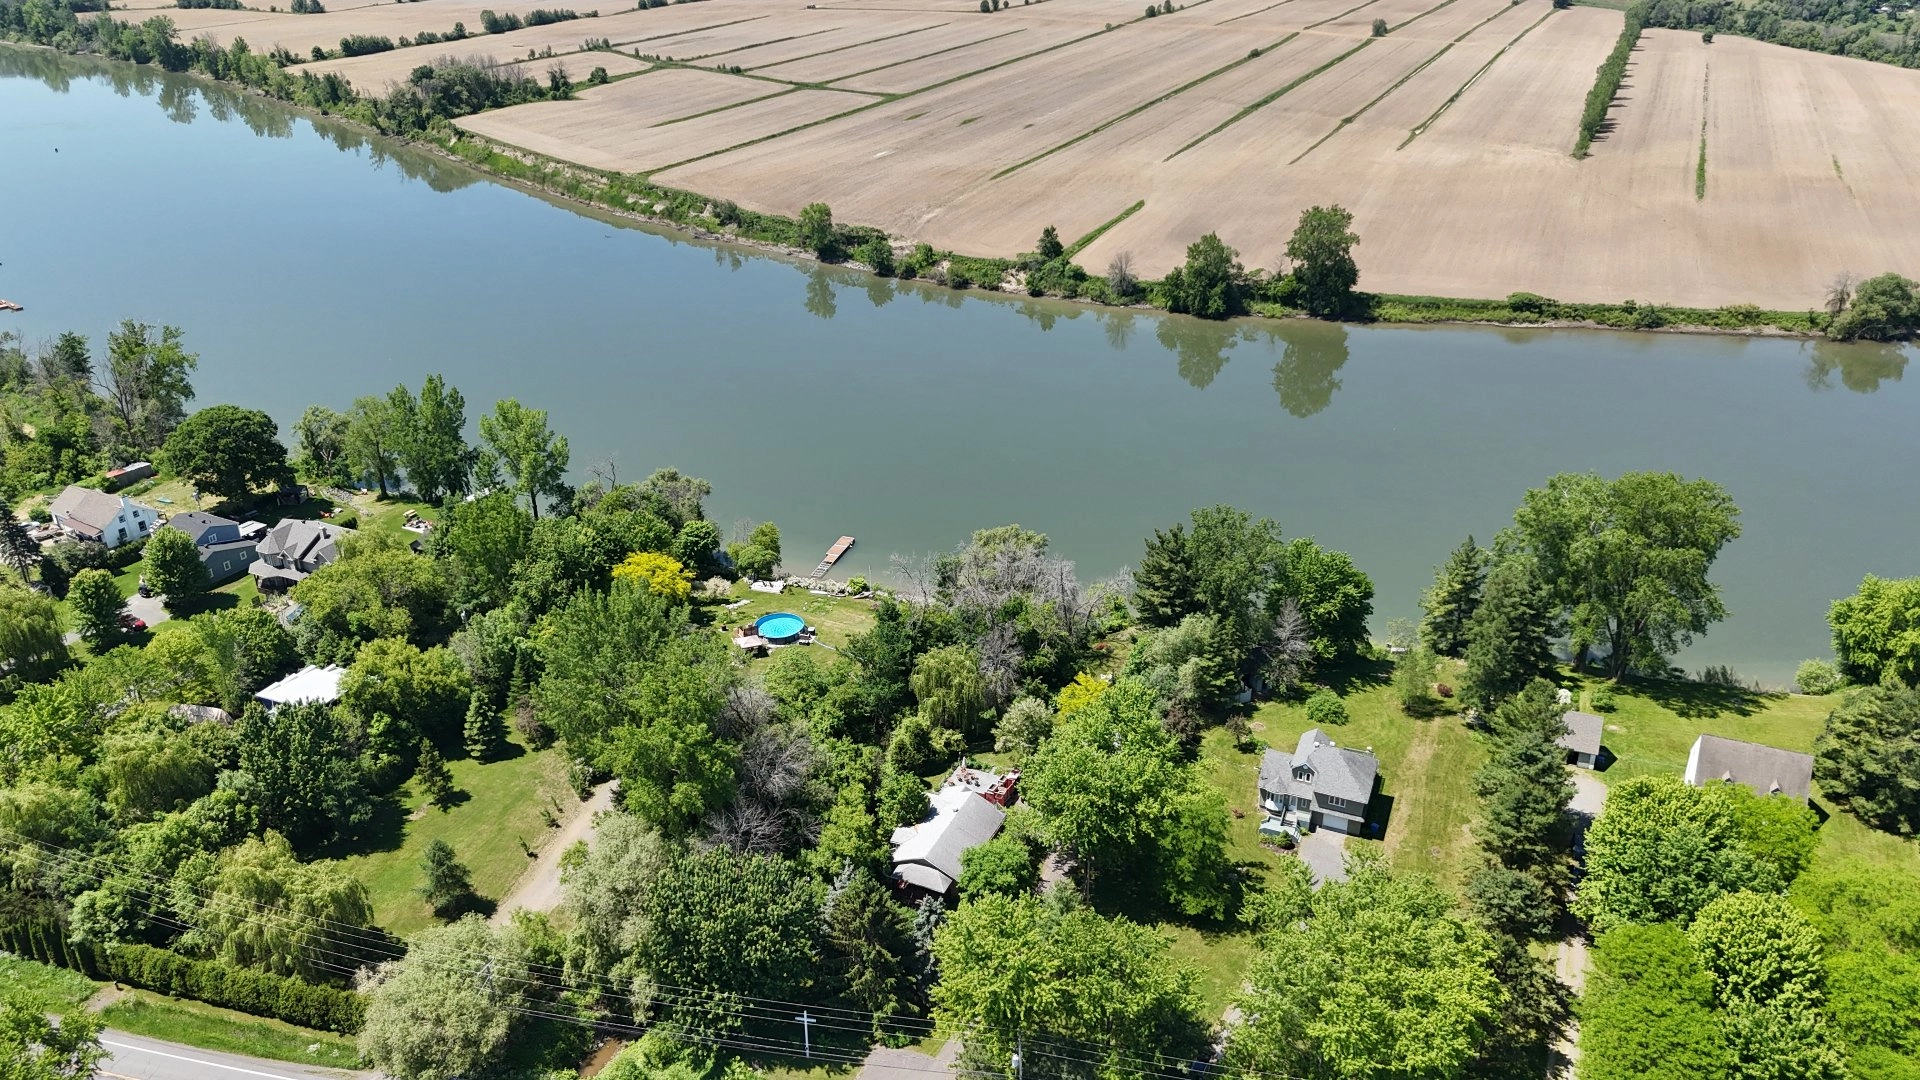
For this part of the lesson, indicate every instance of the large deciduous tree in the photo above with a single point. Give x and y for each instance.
(174, 569)
(1661, 852)
(145, 385)
(1868, 758)
(1333, 594)
(30, 639)
(227, 451)
(1321, 250)
(1647, 1013)
(266, 909)
(375, 434)
(1450, 603)
(534, 458)
(1210, 283)
(1627, 559)
(1876, 632)
(96, 604)
(433, 447)
(299, 772)
(450, 1007)
(320, 437)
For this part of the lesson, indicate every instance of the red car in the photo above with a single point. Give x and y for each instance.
(131, 622)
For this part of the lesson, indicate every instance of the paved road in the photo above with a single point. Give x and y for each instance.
(136, 1057)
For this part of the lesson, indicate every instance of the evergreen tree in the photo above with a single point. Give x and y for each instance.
(483, 731)
(1450, 603)
(436, 783)
(18, 551)
(1507, 636)
(448, 882)
(872, 939)
(1525, 791)
(1167, 584)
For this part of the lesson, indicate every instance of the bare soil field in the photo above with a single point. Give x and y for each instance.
(580, 64)
(1450, 138)
(300, 33)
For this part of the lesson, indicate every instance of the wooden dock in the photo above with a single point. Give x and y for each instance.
(840, 547)
(8, 305)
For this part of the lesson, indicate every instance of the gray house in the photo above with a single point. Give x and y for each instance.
(1582, 739)
(926, 856)
(225, 552)
(293, 549)
(1768, 770)
(1321, 785)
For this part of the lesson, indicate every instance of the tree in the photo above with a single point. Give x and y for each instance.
(1525, 791)
(1779, 830)
(96, 604)
(1867, 758)
(1003, 865)
(449, 1008)
(145, 385)
(677, 497)
(174, 568)
(1018, 968)
(1413, 675)
(373, 439)
(19, 552)
(485, 540)
(1449, 605)
(266, 909)
(1647, 1013)
(321, 438)
(1508, 634)
(1023, 727)
(299, 773)
(1334, 595)
(1661, 852)
(1876, 632)
(433, 448)
(947, 684)
(533, 456)
(398, 693)
(661, 574)
(1759, 949)
(34, 1047)
(378, 588)
(814, 230)
(1166, 584)
(1210, 283)
(68, 359)
(483, 732)
(435, 781)
(30, 638)
(244, 649)
(1321, 250)
(447, 884)
(871, 939)
(1512, 902)
(1373, 976)
(228, 451)
(1884, 308)
(696, 544)
(1627, 559)
(1050, 247)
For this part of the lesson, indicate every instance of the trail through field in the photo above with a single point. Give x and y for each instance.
(539, 888)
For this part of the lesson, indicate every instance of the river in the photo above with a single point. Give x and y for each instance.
(309, 263)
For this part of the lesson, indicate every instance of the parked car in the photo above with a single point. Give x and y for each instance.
(132, 623)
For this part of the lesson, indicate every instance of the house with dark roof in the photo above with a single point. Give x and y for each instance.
(1321, 785)
(1582, 738)
(926, 856)
(1768, 770)
(293, 549)
(91, 514)
(224, 551)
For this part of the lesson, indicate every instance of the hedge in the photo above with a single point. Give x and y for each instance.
(1606, 81)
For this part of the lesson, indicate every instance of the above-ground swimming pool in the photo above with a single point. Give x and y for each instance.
(780, 626)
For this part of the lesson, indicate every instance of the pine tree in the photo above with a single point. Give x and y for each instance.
(484, 733)
(18, 551)
(432, 775)
(1166, 587)
(1508, 635)
(1450, 603)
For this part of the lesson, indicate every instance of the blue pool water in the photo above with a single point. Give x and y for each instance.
(779, 626)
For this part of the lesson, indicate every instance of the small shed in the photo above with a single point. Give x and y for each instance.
(1582, 738)
(131, 473)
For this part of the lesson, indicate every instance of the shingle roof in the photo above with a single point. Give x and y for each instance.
(1339, 771)
(1766, 769)
(195, 524)
(88, 506)
(1583, 733)
(961, 819)
(302, 541)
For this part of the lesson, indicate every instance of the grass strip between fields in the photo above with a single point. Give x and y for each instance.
(759, 44)
(928, 56)
(1422, 15)
(1700, 168)
(695, 30)
(1402, 81)
(724, 108)
(1269, 99)
(1251, 14)
(1421, 128)
(1081, 244)
(1342, 15)
(855, 45)
(1144, 106)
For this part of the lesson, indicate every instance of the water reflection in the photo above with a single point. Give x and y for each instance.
(1862, 366)
(1200, 345)
(1305, 377)
(820, 300)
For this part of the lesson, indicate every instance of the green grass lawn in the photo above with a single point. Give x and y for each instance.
(43, 986)
(506, 803)
(836, 619)
(211, 1028)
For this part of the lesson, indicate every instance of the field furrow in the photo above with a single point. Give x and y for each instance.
(900, 49)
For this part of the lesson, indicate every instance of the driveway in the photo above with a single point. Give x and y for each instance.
(147, 609)
(887, 1063)
(1589, 794)
(1325, 853)
(539, 888)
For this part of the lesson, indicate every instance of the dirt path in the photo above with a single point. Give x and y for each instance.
(539, 888)
(1426, 740)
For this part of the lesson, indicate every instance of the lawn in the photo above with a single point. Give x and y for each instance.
(836, 619)
(504, 811)
(211, 1028)
(43, 986)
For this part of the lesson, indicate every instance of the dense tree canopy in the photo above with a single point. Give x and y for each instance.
(1660, 852)
(1867, 758)
(1648, 1010)
(1876, 632)
(450, 1007)
(1321, 250)
(228, 451)
(533, 457)
(1508, 634)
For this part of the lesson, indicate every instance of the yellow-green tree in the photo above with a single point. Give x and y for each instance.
(663, 575)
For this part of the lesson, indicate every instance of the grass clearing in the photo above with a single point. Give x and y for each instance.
(42, 986)
(835, 619)
(211, 1028)
(506, 803)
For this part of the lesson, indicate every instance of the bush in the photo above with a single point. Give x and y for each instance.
(362, 44)
(877, 254)
(814, 231)
(1884, 308)
(293, 1000)
(597, 77)
(1606, 80)
(1325, 709)
(1603, 699)
(1210, 283)
(1379, 28)
(1817, 677)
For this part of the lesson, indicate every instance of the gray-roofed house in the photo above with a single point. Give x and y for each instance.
(91, 514)
(1321, 785)
(1582, 738)
(1768, 770)
(293, 549)
(927, 856)
(225, 553)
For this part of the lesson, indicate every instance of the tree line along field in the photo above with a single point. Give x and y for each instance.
(1727, 172)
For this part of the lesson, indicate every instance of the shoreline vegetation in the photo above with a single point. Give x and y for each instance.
(419, 115)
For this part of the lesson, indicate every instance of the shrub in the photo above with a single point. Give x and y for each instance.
(362, 44)
(1325, 709)
(1884, 308)
(1603, 698)
(1152, 11)
(877, 254)
(1210, 283)
(1526, 303)
(1379, 28)
(293, 1000)
(814, 231)
(597, 76)
(1817, 677)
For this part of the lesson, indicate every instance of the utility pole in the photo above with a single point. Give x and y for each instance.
(806, 1033)
(1019, 1057)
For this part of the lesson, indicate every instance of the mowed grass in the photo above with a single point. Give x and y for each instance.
(211, 1028)
(42, 986)
(503, 804)
(835, 619)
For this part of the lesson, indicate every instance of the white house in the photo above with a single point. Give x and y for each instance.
(321, 684)
(965, 812)
(90, 514)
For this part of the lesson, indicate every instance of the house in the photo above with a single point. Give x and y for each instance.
(1321, 785)
(321, 684)
(1767, 770)
(91, 514)
(224, 550)
(293, 549)
(130, 473)
(927, 856)
(1582, 738)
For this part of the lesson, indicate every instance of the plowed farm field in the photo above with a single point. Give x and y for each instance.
(1449, 137)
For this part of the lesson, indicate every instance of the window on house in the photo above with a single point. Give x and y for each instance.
(226, 565)
(123, 532)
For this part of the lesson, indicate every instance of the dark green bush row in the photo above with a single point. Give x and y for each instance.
(293, 1000)
(362, 44)
(1606, 81)
(1628, 315)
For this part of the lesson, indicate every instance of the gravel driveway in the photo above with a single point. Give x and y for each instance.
(1325, 853)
